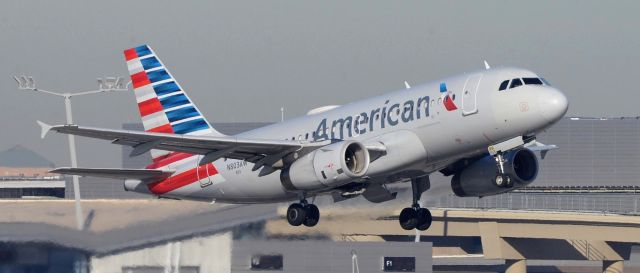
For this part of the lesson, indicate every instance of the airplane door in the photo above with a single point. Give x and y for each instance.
(470, 95)
(203, 173)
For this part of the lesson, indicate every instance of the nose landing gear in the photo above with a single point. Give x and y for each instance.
(502, 179)
(303, 213)
(416, 217)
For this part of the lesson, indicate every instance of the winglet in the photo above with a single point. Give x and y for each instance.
(406, 85)
(44, 128)
(486, 65)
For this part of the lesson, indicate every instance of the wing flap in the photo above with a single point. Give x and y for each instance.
(115, 173)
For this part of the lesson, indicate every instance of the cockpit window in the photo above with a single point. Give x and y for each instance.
(515, 83)
(545, 81)
(503, 85)
(528, 81)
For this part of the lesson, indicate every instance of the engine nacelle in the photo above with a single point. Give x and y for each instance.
(330, 166)
(478, 178)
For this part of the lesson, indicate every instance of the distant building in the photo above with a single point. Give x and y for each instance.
(24, 173)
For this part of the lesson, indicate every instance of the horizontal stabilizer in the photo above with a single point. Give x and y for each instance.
(115, 173)
(44, 128)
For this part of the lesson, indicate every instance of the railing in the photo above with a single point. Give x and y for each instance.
(591, 253)
(627, 203)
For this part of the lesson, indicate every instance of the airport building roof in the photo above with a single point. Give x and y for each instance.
(111, 226)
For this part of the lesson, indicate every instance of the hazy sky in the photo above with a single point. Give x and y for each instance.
(243, 60)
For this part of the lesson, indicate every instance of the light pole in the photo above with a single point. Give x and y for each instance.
(108, 84)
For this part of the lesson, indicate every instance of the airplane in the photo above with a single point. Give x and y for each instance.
(479, 128)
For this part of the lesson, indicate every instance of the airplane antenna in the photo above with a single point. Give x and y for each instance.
(281, 114)
(406, 85)
(486, 65)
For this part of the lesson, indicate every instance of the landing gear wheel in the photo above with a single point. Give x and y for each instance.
(500, 180)
(408, 219)
(424, 219)
(509, 181)
(312, 215)
(296, 214)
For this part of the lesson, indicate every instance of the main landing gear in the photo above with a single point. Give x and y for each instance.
(416, 217)
(303, 213)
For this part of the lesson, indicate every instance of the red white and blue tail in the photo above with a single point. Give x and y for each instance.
(164, 106)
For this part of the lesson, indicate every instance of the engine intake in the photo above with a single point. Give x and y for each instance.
(330, 166)
(477, 179)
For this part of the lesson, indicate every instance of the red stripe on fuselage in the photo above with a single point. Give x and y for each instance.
(182, 179)
(140, 79)
(168, 159)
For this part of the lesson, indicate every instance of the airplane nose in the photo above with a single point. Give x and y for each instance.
(553, 105)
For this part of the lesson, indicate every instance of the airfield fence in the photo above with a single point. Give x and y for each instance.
(628, 203)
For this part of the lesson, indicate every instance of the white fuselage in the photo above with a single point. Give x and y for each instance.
(424, 129)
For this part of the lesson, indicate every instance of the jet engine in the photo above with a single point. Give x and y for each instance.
(330, 166)
(479, 178)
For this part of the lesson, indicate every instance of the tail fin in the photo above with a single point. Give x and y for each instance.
(164, 106)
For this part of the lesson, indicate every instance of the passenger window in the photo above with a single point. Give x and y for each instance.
(515, 83)
(503, 85)
(528, 81)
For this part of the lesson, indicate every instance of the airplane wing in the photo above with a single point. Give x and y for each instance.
(115, 173)
(259, 151)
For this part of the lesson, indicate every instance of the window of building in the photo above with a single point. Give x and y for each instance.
(503, 85)
(515, 83)
(272, 262)
(532, 81)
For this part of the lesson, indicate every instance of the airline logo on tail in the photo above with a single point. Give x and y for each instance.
(164, 106)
